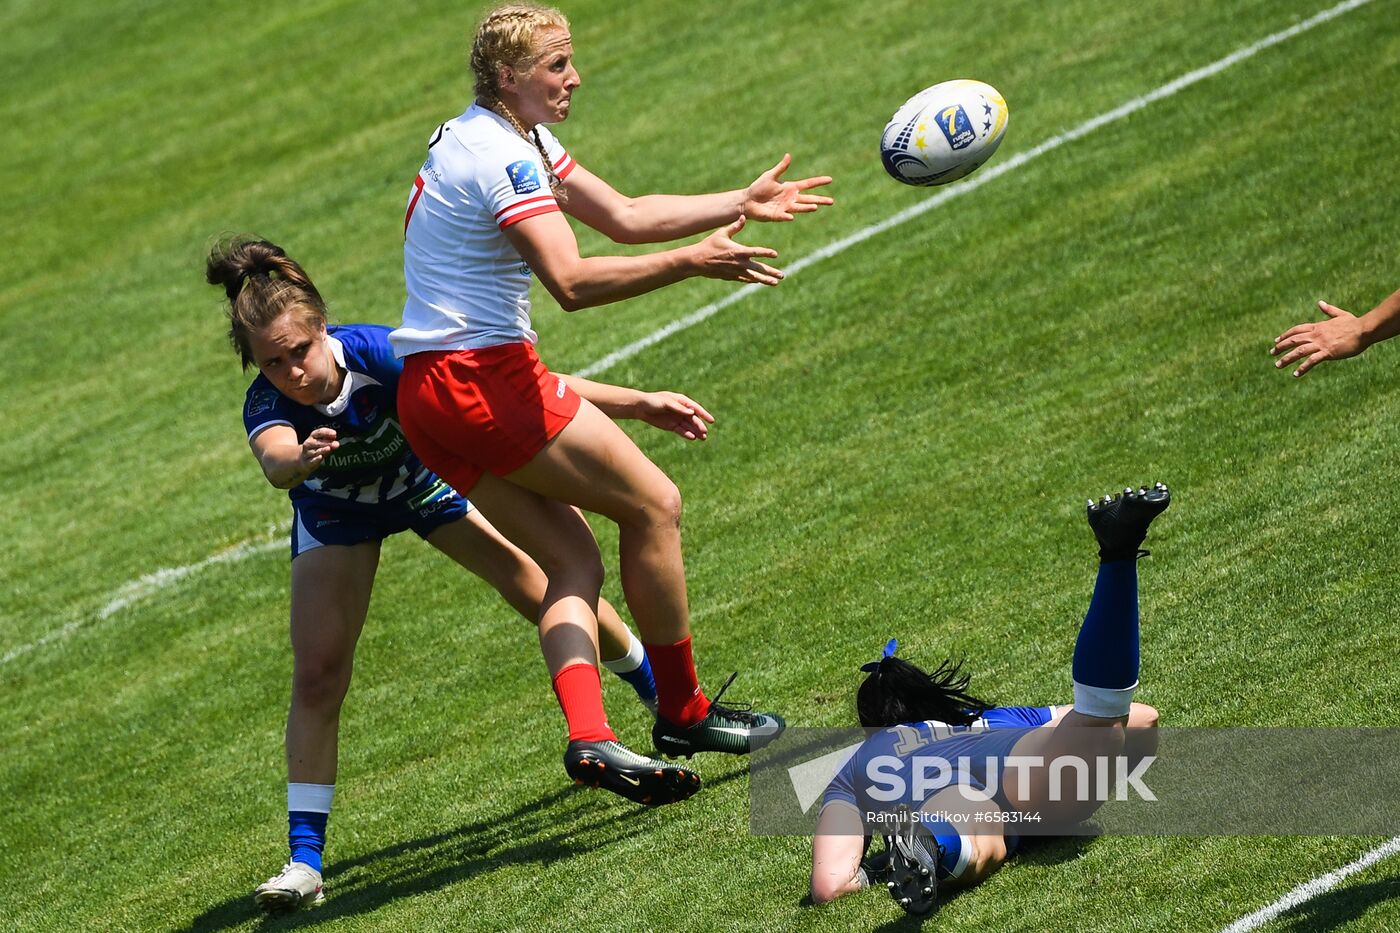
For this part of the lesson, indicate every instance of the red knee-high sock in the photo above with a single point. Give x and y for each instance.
(678, 695)
(580, 695)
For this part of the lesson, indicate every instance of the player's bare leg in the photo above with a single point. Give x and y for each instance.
(330, 597)
(562, 544)
(594, 465)
(478, 547)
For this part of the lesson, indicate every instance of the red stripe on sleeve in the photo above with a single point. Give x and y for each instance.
(532, 212)
(519, 204)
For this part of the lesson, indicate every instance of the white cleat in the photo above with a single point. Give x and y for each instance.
(296, 885)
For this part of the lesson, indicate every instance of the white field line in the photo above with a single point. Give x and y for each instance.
(982, 177)
(160, 579)
(150, 583)
(142, 587)
(1311, 889)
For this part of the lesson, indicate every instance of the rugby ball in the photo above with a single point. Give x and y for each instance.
(944, 132)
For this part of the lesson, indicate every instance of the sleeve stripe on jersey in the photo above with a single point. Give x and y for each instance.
(549, 208)
(268, 424)
(530, 203)
(565, 166)
(530, 207)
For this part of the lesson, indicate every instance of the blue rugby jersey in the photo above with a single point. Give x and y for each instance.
(881, 776)
(373, 463)
(1003, 717)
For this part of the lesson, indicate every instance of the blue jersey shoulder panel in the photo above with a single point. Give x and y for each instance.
(373, 462)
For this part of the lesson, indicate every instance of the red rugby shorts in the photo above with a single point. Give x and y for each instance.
(465, 412)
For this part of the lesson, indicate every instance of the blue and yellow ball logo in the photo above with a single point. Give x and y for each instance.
(956, 126)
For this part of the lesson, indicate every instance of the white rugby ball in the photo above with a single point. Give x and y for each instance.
(944, 132)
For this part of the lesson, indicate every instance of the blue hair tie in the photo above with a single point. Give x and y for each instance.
(873, 666)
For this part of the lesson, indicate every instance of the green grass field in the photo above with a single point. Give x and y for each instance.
(907, 433)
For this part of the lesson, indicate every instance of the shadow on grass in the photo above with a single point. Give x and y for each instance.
(554, 828)
(1341, 906)
(1050, 850)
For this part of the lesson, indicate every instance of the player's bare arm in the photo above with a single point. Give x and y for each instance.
(669, 411)
(1339, 336)
(659, 218)
(548, 245)
(284, 461)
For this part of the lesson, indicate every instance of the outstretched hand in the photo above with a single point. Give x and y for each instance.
(674, 412)
(314, 449)
(718, 256)
(1337, 338)
(770, 198)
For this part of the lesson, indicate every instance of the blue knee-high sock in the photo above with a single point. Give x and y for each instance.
(308, 810)
(1106, 653)
(635, 668)
(306, 834)
(642, 681)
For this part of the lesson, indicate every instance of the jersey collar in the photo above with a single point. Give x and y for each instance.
(338, 405)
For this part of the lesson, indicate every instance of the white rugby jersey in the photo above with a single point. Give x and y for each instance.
(467, 286)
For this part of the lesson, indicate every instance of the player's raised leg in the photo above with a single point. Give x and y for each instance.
(1105, 665)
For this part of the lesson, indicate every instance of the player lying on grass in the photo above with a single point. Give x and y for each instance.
(485, 215)
(321, 422)
(1340, 336)
(940, 701)
(931, 844)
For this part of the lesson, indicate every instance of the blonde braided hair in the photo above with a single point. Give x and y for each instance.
(506, 36)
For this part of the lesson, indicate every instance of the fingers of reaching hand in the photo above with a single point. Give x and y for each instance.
(1289, 337)
(762, 273)
(1300, 348)
(815, 181)
(317, 444)
(728, 259)
(807, 204)
(690, 423)
(696, 408)
(1307, 364)
(690, 428)
(1298, 352)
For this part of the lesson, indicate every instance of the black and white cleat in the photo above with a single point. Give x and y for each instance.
(1120, 522)
(913, 879)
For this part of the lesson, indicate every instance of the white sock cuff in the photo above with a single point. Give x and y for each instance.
(1104, 702)
(630, 661)
(309, 798)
